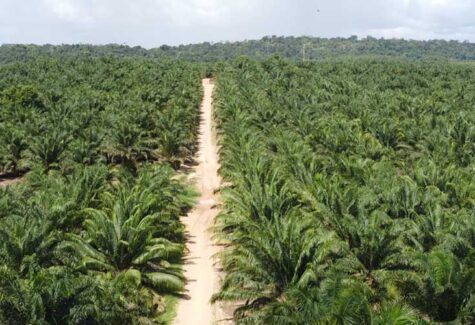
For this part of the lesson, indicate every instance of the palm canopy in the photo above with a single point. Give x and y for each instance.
(370, 170)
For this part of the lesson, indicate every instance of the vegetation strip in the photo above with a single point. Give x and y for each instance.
(92, 234)
(352, 194)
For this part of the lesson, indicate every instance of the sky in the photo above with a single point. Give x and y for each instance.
(151, 23)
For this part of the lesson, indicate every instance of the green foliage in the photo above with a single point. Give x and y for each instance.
(350, 196)
(351, 191)
(82, 249)
(121, 111)
(295, 48)
(123, 234)
(91, 235)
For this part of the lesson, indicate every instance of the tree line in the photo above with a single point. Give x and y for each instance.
(294, 48)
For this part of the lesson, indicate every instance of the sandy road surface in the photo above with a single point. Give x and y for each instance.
(8, 181)
(200, 267)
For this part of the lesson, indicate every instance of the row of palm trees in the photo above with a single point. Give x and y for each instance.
(82, 249)
(351, 197)
(92, 233)
(97, 111)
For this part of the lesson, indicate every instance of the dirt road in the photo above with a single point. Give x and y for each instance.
(201, 273)
(8, 181)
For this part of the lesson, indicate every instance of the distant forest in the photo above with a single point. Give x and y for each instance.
(295, 48)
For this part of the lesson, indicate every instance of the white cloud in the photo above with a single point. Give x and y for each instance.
(154, 22)
(440, 12)
(188, 13)
(69, 10)
(431, 19)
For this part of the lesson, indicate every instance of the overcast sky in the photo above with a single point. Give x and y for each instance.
(150, 23)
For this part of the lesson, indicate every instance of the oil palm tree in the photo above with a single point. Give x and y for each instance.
(268, 257)
(48, 149)
(125, 145)
(447, 285)
(14, 144)
(122, 236)
(28, 242)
